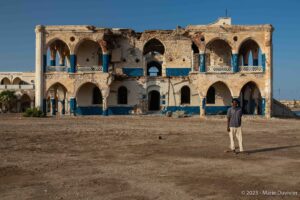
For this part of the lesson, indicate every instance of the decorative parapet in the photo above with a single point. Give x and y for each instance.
(218, 69)
(16, 87)
(90, 69)
(251, 69)
(57, 69)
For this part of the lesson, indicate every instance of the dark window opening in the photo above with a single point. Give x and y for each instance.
(154, 69)
(122, 95)
(154, 100)
(185, 95)
(211, 96)
(154, 46)
(97, 97)
(195, 48)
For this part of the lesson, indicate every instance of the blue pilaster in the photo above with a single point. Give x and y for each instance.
(203, 103)
(53, 105)
(72, 105)
(44, 63)
(63, 111)
(255, 62)
(235, 64)
(73, 63)
(105, 62)
(202, 62)
(105, 112)
(263, 62)
(44, 108)
(52, 63)
(263, 106)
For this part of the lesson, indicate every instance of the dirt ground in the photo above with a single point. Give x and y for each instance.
(122, 158)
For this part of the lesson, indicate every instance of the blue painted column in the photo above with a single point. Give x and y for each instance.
(63, 110)
(73, 63)
(52, 63)
(263, 62)
(202, 62)
(53, 105)
(105, 62)
(263, 106)
(105, 112)
(202, 107)
(235, 63)
(73, 105)
(255, 62)
(44, 63)
(44, 106)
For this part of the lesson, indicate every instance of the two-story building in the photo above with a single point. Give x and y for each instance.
(197, 69)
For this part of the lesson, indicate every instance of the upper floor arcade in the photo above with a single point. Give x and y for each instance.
(17, 81)
(210, 49)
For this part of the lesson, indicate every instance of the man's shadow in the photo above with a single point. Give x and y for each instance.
(271, 149)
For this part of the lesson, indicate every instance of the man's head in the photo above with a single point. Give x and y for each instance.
(235, 103)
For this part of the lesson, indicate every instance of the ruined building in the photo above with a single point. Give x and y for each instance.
(198, 69)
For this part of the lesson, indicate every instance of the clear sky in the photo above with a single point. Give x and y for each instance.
(19, 17)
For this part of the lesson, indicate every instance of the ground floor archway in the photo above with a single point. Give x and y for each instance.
(89, 100)
(251, 100)
(25, 103)
(153, 100)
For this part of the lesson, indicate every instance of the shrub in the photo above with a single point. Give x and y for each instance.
(33, 112)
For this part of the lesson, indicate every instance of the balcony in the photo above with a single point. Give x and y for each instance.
(218, 69)
(251, 69)
(90, 69)
(16, 87)
(57, 69)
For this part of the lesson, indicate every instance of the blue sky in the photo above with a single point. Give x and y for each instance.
(19, 17)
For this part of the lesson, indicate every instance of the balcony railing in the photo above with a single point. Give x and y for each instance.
(16, 87)
(90, 69)
(218, 69)
(251, 69)
(57, 69)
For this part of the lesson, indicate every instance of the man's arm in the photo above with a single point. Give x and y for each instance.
(228, 119)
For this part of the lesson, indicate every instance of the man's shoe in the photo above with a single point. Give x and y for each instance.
(230, 151)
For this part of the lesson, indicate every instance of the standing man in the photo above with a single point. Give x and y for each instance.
(234, 122)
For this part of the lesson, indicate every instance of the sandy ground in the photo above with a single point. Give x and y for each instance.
(122, 158)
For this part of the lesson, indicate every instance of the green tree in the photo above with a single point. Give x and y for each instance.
(7, 98)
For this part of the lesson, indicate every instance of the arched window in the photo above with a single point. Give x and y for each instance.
(97, 97)
(154, 46)
(250, 54)
(211, 96)
(122, 95)
(154, 69)
(185, 95)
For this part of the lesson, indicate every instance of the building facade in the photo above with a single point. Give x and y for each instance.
(22, 83)
(198, 69)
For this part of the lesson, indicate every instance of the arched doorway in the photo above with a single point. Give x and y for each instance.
(89, 56)
(218, 99)
(251, 100)
(57, 99)
(58, 56)
(5, 81)
(89, 100)
(153, 100)
(250, 54)
(25, 102)
(185, 95)
(153, 53)
(218, 56)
